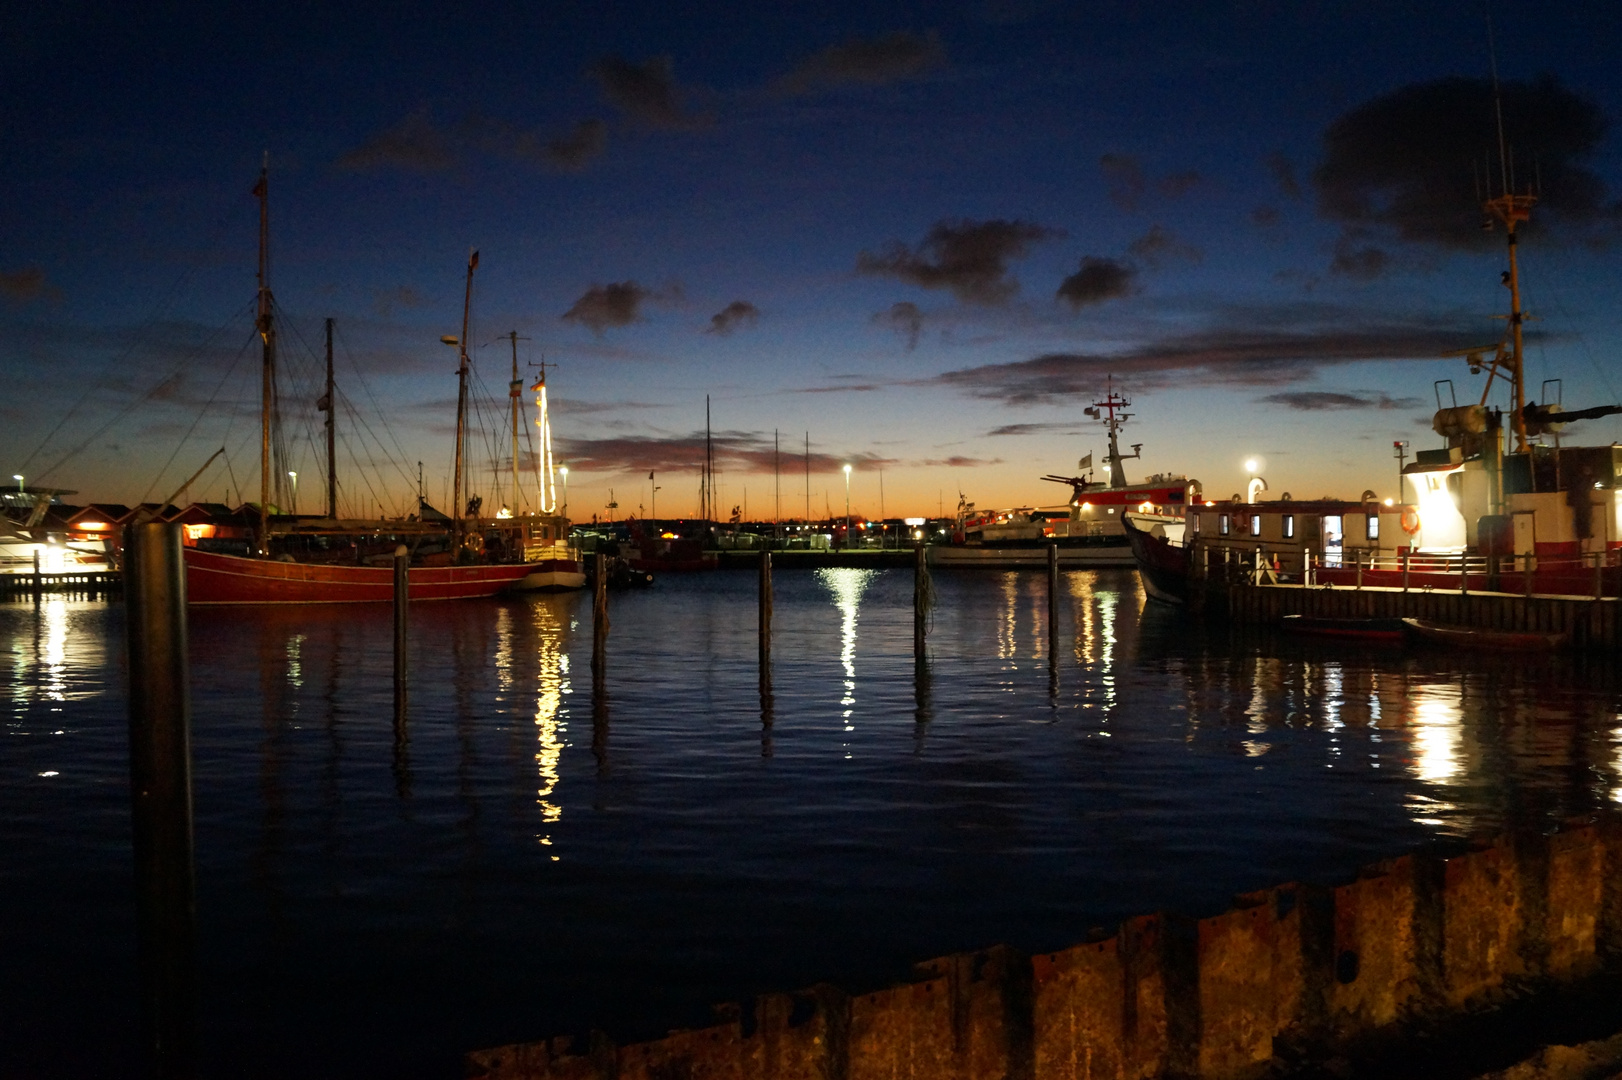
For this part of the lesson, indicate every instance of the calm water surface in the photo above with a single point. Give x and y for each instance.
(539, 859)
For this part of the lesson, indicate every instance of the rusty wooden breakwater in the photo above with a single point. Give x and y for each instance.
(1406, 945)
(1593, 624)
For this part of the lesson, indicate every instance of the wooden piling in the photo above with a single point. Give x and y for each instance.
(402, 602)
(599, 616)
(1053, 588)
(765, 618)
(39, 588)
(920, 602)
(161, 793)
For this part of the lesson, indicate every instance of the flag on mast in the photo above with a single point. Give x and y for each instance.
(1085, 463)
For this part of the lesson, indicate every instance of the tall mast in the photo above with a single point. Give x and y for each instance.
(328, 403)
(709, 466)
(514, 390)
(461, 403)
(808, 478)
(267, 337)
(543, 420)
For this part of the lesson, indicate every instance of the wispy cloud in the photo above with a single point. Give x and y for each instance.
(24, 286)
(1238, 355)
(1160, 245)
(866, 62)
(1032, 429)
(970, 258)
(415, 143)
(1334, 400)
(735, 451)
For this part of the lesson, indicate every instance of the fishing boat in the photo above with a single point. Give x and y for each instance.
(1539, 517)
(1088, 531)
(455, 556)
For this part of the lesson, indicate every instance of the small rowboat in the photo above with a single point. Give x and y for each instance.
(1470, 637)
(1383, 631)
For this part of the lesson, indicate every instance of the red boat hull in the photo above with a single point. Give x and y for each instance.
(212, 578)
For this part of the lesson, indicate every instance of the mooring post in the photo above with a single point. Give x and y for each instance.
(920, 601)
(1526, 575)
(1407, 555)
(599, 615)
(1357, 556)
(765, 619)
(1053, 588)
(161, 792)
(402, 606)
(38, 585)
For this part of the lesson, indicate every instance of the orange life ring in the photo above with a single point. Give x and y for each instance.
(1410, 520)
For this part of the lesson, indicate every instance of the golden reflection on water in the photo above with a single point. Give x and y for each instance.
(847, 586)
(552, 681)
(1007, 615)
(1435, 726)
(1616, 737)
(1096, 614)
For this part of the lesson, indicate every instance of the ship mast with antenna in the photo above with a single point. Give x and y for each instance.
(1113, 422)
(461, 404)
(543, 420)
(267, 337)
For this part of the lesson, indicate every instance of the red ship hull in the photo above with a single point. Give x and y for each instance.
(212, 578)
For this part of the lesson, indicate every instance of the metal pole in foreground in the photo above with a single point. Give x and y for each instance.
(765, 620)
(402, 601)
(161, 792)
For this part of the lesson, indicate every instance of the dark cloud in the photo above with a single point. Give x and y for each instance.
(871, 62)
(416, 143)
(905, 319)
(1160, 245)
(842, 388)
(384, 301)
(1283, 170)
(1178, 183)
(1246, 354)
(1032, 429)
(1098, 280)
(572, 152)
(1416, 159)
(1265, 216)
(968, 257)
(23, 286)
(735, 451)
(646, 92)
(1123, 177)
(1330, 400)
(618, 303)
(1359, 260)
(736, 314)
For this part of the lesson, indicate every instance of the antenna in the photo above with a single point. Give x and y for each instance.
(1498, 105)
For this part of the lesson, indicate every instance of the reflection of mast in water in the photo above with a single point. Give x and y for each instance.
(552, 682)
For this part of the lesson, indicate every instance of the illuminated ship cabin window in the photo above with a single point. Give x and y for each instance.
(1222, 524)
(1255, 524)
(1374, 526)
(1289, 526)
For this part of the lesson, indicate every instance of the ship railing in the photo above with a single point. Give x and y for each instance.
(1587, 573)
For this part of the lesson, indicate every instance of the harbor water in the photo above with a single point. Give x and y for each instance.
(540, 856)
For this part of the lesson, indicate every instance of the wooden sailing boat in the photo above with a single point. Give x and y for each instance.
(214, 578)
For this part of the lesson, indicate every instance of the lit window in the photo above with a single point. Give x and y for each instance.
(1289, 526)
(1255, 525)
(1222, 524)
(1374, 526)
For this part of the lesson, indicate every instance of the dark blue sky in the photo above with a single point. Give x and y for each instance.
(923, 233)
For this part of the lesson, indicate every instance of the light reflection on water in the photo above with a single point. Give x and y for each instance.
(531, 858)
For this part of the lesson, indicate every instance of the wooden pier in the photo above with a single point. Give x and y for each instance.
(76, 584)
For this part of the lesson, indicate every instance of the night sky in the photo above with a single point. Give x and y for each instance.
(925, 234)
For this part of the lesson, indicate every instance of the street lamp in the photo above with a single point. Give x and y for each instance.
(564, 470)
(847, 506)
(19, 478)
(293, 476)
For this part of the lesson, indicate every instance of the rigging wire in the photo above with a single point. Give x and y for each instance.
(201, 413)
(118, 362)
(136, 403)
